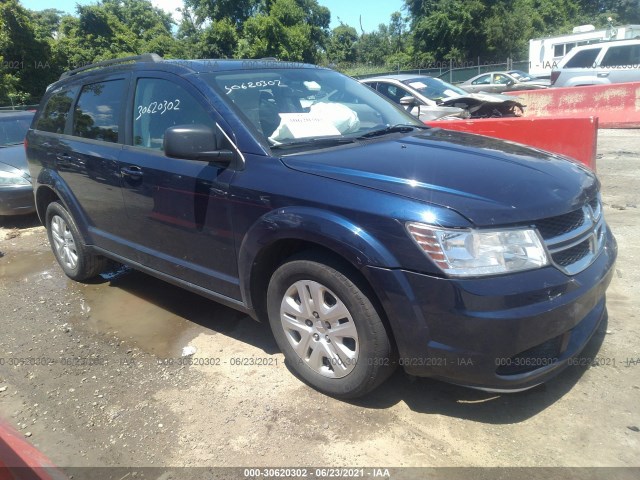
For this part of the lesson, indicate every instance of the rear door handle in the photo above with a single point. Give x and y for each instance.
(603, 74)
(131, 171)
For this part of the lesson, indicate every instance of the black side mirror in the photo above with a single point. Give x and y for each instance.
(195, 142)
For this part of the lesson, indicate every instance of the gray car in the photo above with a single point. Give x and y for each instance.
(16, 192)
(431, 98)
(599, 64)
(419, 94)
(499, 82)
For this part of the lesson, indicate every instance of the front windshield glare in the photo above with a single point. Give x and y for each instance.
(286, 105)
(434, 88)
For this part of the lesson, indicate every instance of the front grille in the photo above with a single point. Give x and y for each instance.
(574, 239)
(536, 357)
(556, 226)
(572, 255)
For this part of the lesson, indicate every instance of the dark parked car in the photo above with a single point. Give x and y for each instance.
(16, 192)
(300, 196)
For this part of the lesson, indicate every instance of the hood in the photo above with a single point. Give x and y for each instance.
(15, 156)
(489, 181)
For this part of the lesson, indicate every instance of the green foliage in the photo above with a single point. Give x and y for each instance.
(293, 30)
(24, 72)
(36, 47)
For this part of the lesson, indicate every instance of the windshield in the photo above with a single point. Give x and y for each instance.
(13, 130)
(291, 105)
(434, 88)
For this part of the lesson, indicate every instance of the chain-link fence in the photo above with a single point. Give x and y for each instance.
(452, 72)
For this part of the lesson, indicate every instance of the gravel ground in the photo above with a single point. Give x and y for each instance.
(93, 375)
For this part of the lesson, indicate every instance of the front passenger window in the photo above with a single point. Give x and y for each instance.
(159, 105)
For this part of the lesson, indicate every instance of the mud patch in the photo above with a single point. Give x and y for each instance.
(21, 268)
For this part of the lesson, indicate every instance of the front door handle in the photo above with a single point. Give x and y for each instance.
(131, 171)
(603, 74)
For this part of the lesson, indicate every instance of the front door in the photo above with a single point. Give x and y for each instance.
(177, 210)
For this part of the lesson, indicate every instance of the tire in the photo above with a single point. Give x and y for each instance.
(75, 258)
(328, 330)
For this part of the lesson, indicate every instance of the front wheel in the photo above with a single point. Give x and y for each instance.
(328, 329)
(77, 261)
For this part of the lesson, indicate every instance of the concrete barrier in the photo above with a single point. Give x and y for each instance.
(616, 106)
(574, 137)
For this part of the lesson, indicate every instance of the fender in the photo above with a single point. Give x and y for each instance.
(313, 225)
(51, 179)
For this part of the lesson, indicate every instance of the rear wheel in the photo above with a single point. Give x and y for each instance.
(328, 329)
(77, 261)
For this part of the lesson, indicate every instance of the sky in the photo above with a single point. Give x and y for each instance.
(373, 12)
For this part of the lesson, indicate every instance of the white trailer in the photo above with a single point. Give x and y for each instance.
(545, 53)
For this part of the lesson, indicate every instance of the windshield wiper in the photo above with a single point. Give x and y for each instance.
(400, 127)
(315, 142)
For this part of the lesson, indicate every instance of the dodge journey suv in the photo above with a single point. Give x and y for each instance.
(302, 197)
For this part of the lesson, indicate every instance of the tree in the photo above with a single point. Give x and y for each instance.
(342, 43)
(114, 28)
(24, 72)
(294, 30)
(451, 30)
(236, 11)
(46, 23)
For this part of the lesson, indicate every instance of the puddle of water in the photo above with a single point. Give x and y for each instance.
(158, 317)
(25, 266)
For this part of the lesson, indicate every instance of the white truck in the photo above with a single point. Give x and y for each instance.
(545, 53)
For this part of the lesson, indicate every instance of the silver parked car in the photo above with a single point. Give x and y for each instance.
(599, 64)
(499, 82)
(430, 98)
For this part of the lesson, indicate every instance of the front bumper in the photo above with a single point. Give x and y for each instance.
(17, 200)
(507, 332)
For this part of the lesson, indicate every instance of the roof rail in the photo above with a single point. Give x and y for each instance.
(146, 57)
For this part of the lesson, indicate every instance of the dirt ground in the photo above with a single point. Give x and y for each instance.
(95, 376)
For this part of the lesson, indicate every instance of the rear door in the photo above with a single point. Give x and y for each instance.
(78, 135)
(177, 211)
(621, 64)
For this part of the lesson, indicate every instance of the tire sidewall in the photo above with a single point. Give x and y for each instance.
(371, 333)
(56, 209)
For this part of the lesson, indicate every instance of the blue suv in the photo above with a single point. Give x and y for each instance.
(302, 197)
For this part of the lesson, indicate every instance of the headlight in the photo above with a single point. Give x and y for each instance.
(468, 253)
(10, 178)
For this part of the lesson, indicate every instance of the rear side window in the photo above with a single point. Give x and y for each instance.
(583, 59)
(55, 113)
(160, 104)
(623, 56)
(97, 112)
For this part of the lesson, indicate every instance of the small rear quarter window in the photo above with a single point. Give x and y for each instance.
(54, 115)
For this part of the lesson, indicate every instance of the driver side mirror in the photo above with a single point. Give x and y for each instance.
(408, 101)
(195, 142)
